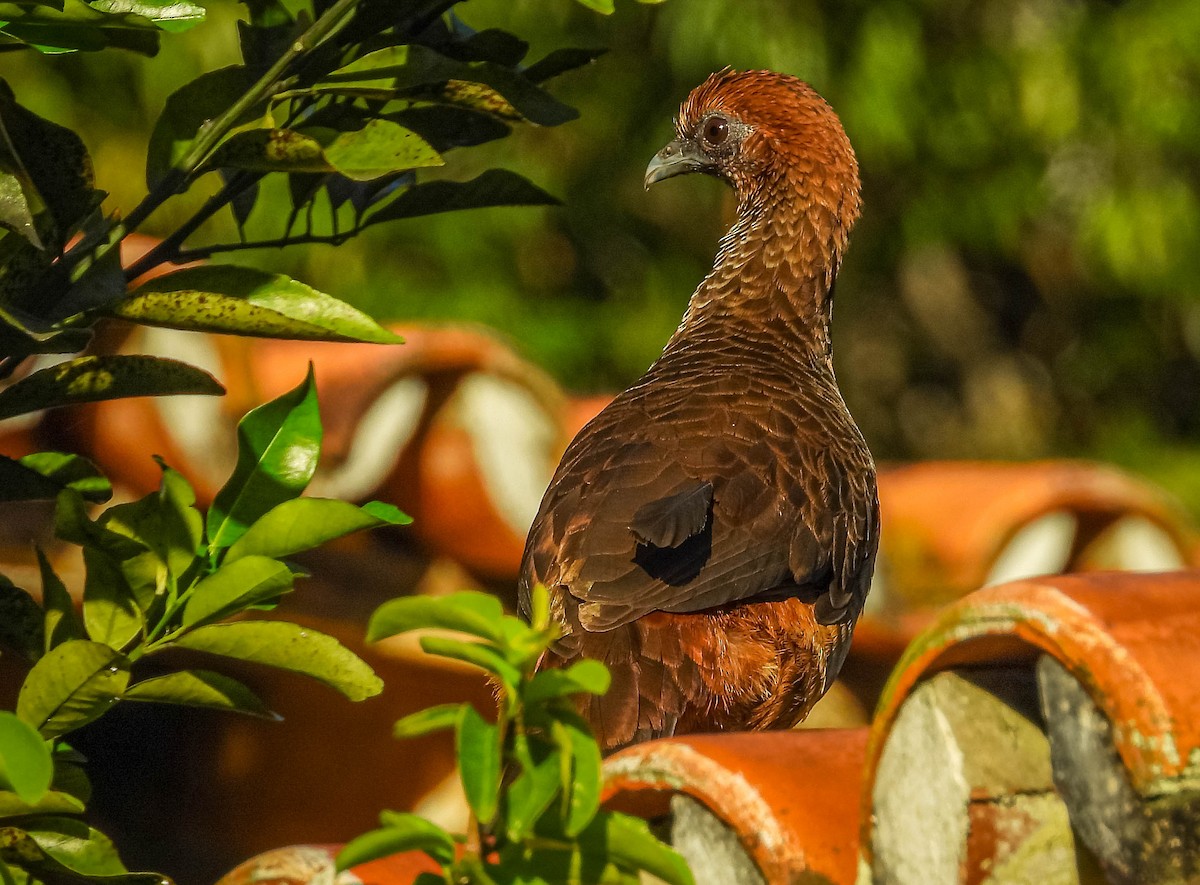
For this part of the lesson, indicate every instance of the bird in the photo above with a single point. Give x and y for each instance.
(710, 535)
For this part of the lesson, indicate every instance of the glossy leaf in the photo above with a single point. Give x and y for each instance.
(381, 147)
(470, 612)
(75, 846)
(278, 446)
(304, 523)
(61, 622)
(94, 378)
(112, 612)
(496, 187)
(587, 676)
(234, 587)
(288, 647)
(25, 764)
(199, 688)
(401, 832)
(245, 301)
(477, 743)
(21, 621)
(42, 475)
(187, 109)
(71, 685)
(429, 720)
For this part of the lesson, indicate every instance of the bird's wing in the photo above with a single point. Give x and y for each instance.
(639, 519)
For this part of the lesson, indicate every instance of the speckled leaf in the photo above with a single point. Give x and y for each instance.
(93, 378)
(25, 764)
(496, 187)
(278, 447)
(244, 301)
(71, 685)
(199, 688)
(304, 523)
(288, 647)
(379, 148)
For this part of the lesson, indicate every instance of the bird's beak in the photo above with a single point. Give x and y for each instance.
(678, 158)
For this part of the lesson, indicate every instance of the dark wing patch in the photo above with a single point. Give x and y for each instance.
(670, 521)
(676, 565)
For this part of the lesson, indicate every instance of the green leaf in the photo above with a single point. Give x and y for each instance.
(495, 187)
(478, 614)
(604, 7)
(581, 785)
(477, 743)
(628, 842)
(533, 791)
(401, 832)
(429, 720)
(61, 621)
(170, 15)
(21, 621)
(41, 476)
(381, 147)
(199, 688)
(477, 653)
(304, 523)
(78, 27)
(180, 530)
(234, 587)
(25, 764)
(245, 301)
(76, 846)
(15, 214)
(112, 613)
(288, 647)
(71, 685)
(584, 676)
(189, 108)
(92, 378)
(278, 446)
(51, 802)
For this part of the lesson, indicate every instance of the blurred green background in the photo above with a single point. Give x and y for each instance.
(1024, 280)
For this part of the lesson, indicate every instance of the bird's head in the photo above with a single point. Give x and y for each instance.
(771, 137)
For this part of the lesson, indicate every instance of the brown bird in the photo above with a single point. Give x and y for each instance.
(711, 534)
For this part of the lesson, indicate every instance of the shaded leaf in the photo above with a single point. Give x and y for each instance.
(199, 688)
(94, 378)
(25, 764)
(15, 214)
(496, 187)
(477, 744)
(79, 26)
(559, 62)
(187, 109)
(379, 148)
(278, 446)
(42, 475)
(470, 612)
(51, 802)
(234, 587)
(304, 523)
(288, 647)
(401, 832)
(61, 621)
(245, 301)
(429, 720)
(21, 621)
(71, 685)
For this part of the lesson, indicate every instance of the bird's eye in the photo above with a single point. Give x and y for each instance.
(716, 130)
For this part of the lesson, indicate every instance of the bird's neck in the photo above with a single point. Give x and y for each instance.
(773, 276)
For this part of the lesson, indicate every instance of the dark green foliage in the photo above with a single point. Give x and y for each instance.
(531, 778)
(158, 579)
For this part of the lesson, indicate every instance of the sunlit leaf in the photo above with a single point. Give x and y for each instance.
(112, 613)
(51, 802)
(470, 612)
(94, 378)
(288, 647)
(431, 719)
(234, 587)
(71, 685)
(401, 832)
(477, 653)
(477, 744)
(532, 792)
(278, 446)
(245, 301)
(304, 523)
(583, 676)
(76, 846)
(25, 764)
(628, 842)
(199, 688)
(582, 786)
